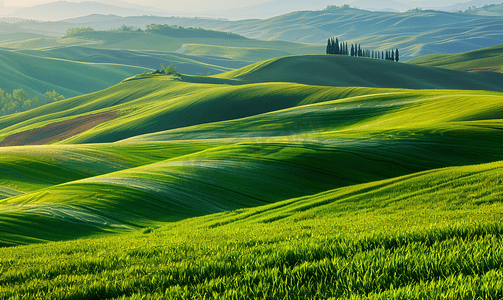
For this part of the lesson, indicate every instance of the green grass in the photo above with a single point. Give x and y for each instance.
(162, 102)
(366, 135)
(232, 187)
(491, 57)
(240, 53)
(27, 169)
(435, 234)
(38, 75)
(334, 70)
(241, 49)
(493, 10)
(190, 64)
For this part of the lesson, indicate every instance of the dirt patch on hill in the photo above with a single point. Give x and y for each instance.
(487, 69)
(57, 131)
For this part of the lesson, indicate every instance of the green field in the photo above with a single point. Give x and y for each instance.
(37, 75)
(252, 50)
(487, 59)
(434, 235)
(90, 61)
(279, 180)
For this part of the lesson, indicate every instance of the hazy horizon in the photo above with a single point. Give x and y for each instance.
(212, 5)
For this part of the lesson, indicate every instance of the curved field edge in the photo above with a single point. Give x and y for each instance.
(336, 70)
(30, 168)
(440, 230)
(361, 139)
(487, 59)
(161, 103)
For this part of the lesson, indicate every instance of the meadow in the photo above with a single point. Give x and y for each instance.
(37, 75)
(434, 235)
(279, 180)
(487, 59)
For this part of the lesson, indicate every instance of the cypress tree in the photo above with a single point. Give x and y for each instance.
(352, 50)
(392, 55)
(336, 51)
(328, 46)
(396, 55)
(347, 51)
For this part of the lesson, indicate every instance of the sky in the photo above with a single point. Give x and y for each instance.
(185, 5)
(217, 5)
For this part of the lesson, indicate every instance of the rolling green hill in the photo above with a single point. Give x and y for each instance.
(259, 183)
(415, 33)
(162, 102)
(493, 10)
(332, 70)
(487, 59)
(255, 144)
(37, 75)
(435, 234)
(253, 50)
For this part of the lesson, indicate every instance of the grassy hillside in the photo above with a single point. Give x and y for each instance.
(487, 59)
(38, 75)
(28, 169)
(333, 70)
(160, 103)
(315, 145)
(493, 10)
(434, 234)
(414, 33)
(190, 64)
(250, 54)
(253, 50)
(233, 187)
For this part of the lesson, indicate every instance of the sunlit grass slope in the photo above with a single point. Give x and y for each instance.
(241, 53)
(27, 169)
(186, 64)
(333, 70)
(434, 235)
(241, 49)
(38, 75)
(487, 59)
(371, 135)
(161, 103)
(165, 102)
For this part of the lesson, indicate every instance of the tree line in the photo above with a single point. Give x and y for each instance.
(19, 100)
(342, 48)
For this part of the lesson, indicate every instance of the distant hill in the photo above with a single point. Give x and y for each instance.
(463, 6)
(487, 59)
(278, 83)
(487, 10)
(334, 70)
(202, 43)
(60, 10)
(414, 33)
(38, 75)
